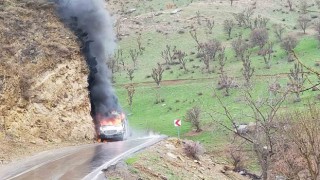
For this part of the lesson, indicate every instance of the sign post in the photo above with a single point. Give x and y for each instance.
(177, 123)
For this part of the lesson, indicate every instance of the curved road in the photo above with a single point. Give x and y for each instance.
(83, 162)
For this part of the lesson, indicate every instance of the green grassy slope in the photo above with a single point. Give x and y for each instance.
(179, 96)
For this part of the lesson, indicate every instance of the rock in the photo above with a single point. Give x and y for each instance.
(131, 10)
(227, 168)
(163, 177)
(158, 13)
(181, 31)
(196, 161)
(176, 11)
(172, 155)
(170, 146)
(137, 22)
(280, 178)
(179, 157)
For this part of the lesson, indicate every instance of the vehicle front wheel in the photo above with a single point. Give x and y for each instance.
(121, 137)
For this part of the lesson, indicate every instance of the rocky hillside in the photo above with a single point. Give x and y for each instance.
(168, 160)
(43, 76)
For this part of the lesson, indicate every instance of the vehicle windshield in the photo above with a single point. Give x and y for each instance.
(116, 125)
(111, 123)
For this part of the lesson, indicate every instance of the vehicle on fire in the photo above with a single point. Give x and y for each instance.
(114, 127)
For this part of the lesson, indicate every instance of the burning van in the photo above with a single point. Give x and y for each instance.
(114, 127)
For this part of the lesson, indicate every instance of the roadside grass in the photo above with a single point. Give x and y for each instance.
(129, 161)
(180, 96)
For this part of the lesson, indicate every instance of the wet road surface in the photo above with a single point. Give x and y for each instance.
(83, 162)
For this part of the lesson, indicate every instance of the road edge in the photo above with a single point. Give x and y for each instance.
(97, 174)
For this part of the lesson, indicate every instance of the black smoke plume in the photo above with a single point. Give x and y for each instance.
(92, 24)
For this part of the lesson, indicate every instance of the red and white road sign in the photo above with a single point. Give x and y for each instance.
(177, 122)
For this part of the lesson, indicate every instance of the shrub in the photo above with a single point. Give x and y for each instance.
(299, 149)
(237, 157)
(288, 44)
(193, 149)
(193, 116)
(259, 37)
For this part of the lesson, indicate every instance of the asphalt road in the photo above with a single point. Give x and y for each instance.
(83, 162)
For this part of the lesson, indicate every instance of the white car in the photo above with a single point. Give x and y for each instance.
(113, 131)
(114, 127)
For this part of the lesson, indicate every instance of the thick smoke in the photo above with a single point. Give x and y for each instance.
(92, 24)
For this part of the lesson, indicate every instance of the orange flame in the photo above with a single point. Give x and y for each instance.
(114, 119)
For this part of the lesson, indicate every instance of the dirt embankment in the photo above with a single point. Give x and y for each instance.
(167, 160)
(43, 83)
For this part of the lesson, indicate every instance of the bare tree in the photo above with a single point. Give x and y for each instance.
(208, 51)
(134, 56)
(168, 55)
(228, 25)
(130, 72)
(303, 7)
(303, 22)
(157, 74)
(209, 25)
(131, 91)
(225, 82)
(260, 22)
(265, 120)
(119, 57)
(112, 64)
(266, 53)
(247, 69)
(259, 37)
(290, 4)
(279, 29)
(300, 155)
(239, 46)
(317, 26)
(193, 116)
(288, 44)
(239, 17)
(238, 157)
(206, 58)
(244, 18)
(222, 60)
(194, 36)
(297, 79)
(318, 3)
(274, 88)
(198, 15)
(118, 29)
(231, 2)
(248, 12)
(181, 57)
(139, 42)
(261, 137)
